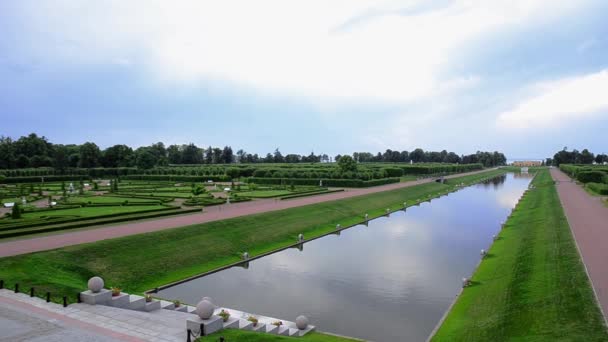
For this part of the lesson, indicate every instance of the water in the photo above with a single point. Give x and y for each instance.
(389, 281)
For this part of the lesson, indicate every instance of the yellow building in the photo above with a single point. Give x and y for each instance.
(527, 163)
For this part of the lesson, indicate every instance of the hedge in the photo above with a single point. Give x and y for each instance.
(43, 222)
(311, 194)
(599, 188)
(96, 221)
(38, 179)
(348, 183)
(591, 176)
(221, 178)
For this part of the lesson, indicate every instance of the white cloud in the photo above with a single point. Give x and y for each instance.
(559, 103)
(288, 47)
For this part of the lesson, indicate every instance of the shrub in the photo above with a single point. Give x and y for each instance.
(598, 188)
(16, 213)
(590, 176)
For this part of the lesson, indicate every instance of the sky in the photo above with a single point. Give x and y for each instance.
(524, 77)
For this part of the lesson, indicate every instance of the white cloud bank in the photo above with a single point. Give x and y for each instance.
(394, 51)
(560, 102)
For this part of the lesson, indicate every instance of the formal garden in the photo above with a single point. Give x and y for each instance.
(34, 208)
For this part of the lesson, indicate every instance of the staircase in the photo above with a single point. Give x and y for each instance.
(237, 319)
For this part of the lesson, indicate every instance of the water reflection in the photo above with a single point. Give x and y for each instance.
(389, 281)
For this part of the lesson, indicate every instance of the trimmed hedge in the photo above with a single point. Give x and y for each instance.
(38, 179)
(305, 194)
(94, 222)
(44, 222)
(591, 176)
(348, 183)
(221, 178)
(598, 188)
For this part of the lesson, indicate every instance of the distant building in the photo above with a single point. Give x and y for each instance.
(527, 163)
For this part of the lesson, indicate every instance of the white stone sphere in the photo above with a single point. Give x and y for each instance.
(302, 322)
(95, 284)
(204, 309)
(209, 299)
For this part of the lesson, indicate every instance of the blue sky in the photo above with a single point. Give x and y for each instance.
(523, 77)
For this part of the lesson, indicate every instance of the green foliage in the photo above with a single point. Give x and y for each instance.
(598, 188)
(347, 163)
(591, 176)
(16, 211)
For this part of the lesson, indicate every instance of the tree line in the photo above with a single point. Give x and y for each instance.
(575, 157)
(35, 151)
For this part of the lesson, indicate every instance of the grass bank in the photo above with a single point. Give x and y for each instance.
(532, 286)
(234, 335)
(140, 262)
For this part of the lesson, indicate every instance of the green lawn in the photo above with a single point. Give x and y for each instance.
(533, 286)
(265, 193)
(108, 199)
(234, 335)
(140, 262)
(91, 211)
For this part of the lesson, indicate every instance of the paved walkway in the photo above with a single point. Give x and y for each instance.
(32, 319)
(588, 219)
(214, 213)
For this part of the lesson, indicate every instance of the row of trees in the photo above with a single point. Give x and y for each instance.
(418, 155)
(575, 157)
(35, 151)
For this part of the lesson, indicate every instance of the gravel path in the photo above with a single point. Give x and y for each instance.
(213, 213)
(588, 219)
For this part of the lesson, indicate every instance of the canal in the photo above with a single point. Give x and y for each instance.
(391, 280)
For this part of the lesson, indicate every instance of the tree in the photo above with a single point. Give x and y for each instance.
(16, 212)
(347, 163)
(60, 158)
(586, 157)
(227, 156)
(417, 155)
(174, 155)
(117, 156)
(89, 155)
(191, 154)
(278, 157)
(145, 158)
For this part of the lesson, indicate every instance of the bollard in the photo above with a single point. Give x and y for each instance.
(32, 292)
(78, 298)
(48, 297)
(366, 217)
(1, 284)
(16, 288)
(189, 332)
(338, 226)
(65, 301)
(483, 253)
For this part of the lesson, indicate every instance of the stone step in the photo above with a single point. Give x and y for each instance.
(191, 309)
(231, 323)
(152, 306)
(283, 330)
(260, 327)
(120, 301)
(294, 332)
(245, 324)
(166, 305)
(137, 302)
(272, 329)
(181, 308)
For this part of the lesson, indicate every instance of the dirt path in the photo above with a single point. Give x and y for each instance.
(588, 219)
(213, 213)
